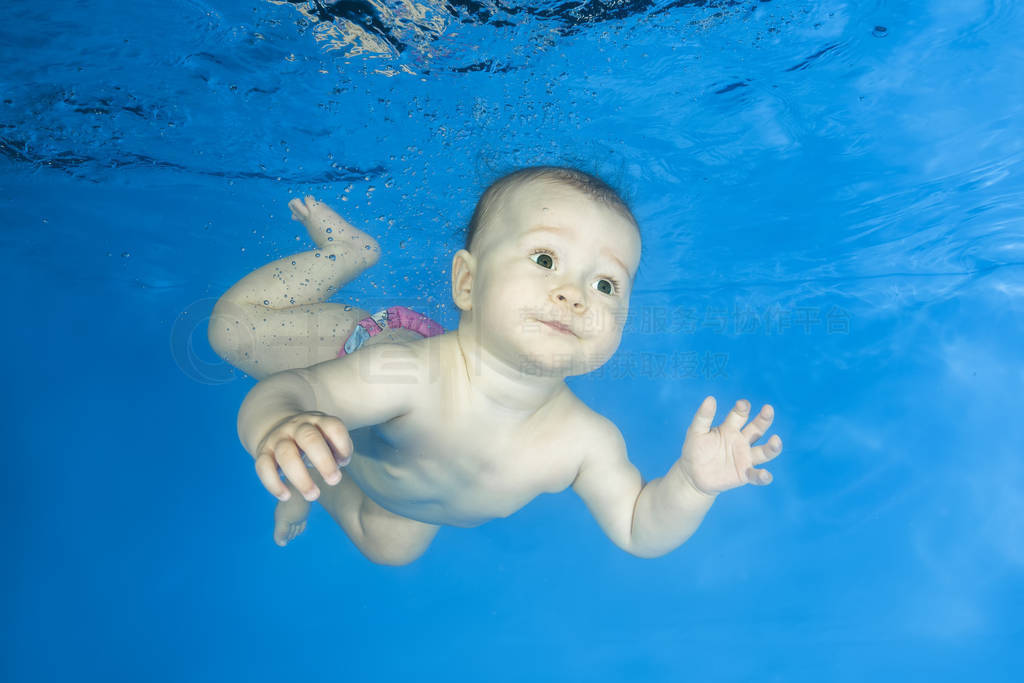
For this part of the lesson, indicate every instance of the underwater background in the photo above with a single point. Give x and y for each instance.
(831, 199)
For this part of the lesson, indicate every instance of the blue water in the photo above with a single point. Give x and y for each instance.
(831, 196)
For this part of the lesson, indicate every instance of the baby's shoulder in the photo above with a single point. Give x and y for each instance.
(580, 419)
(435, 357)
(380, 367)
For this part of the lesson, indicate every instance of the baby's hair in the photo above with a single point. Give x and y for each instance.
(590, 185)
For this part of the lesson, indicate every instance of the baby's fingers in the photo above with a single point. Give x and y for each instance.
(290, 461)
(338, 439)
(768, 451)
(266, 470)
(705, 415)
(759, 477)
(759, 425)
(737, 416)
(312, 443)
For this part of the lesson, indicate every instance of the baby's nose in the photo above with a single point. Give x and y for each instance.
(570, 295)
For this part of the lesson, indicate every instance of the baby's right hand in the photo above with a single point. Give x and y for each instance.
(323, 438)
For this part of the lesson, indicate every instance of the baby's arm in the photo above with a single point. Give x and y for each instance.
(313, 410)
(654, 519)
(644, 520)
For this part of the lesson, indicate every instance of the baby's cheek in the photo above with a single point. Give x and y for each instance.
(607, 334)
(607, 322)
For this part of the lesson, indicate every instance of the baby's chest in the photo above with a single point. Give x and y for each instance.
(484, 462)
(511, 466)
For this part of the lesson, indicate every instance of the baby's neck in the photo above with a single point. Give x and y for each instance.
(506, 389)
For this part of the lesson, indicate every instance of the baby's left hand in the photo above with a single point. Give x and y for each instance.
(721, 458)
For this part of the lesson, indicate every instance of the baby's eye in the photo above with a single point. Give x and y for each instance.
(543, 259)
(606, 286)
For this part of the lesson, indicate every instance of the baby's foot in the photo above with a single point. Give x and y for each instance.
(326, 227)
(290, 518)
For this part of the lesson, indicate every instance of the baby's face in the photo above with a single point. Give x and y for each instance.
(553, 279)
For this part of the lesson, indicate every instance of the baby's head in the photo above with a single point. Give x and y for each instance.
(545, 278)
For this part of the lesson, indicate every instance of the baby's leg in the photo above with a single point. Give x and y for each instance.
(275, 318)
(382, 536)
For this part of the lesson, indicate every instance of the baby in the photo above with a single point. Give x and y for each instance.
(461, 427)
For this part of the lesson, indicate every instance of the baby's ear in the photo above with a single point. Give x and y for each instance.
(463, 265)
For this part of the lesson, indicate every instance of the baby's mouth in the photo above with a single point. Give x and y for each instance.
(564, 329)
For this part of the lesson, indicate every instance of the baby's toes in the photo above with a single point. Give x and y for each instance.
(285, 533)
(299, 210)
(319, 211)
(282, 533)
(290, 518)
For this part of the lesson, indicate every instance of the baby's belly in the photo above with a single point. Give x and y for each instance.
(435, 488)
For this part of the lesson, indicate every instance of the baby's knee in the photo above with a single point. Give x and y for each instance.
(397, 550)
(392, 556)
(371, 251)
(392, 540)
(363, 251)
(230, 330)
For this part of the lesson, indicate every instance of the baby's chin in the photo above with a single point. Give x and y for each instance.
(558, 365)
